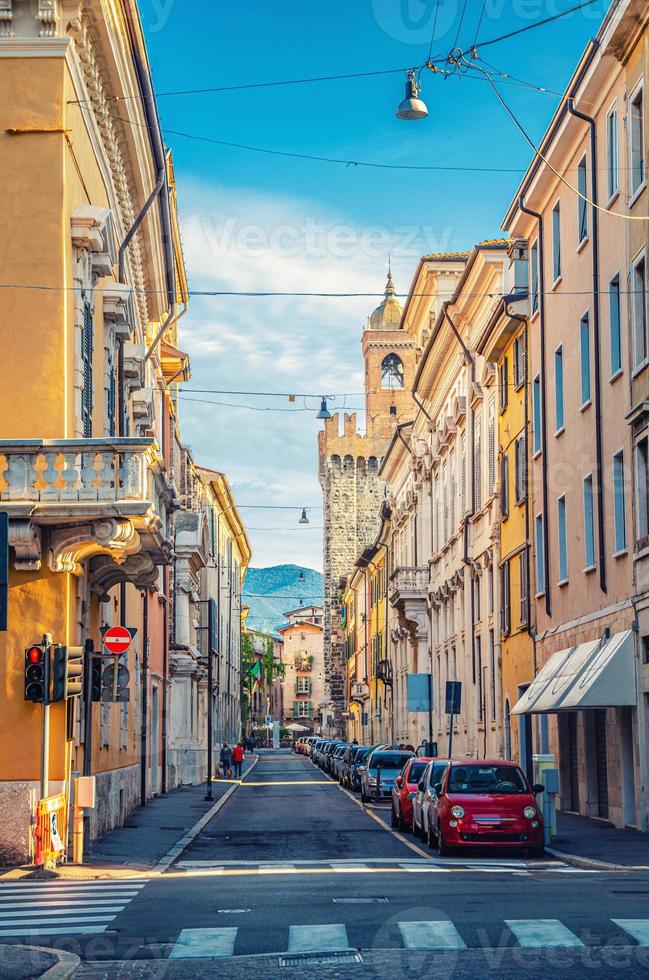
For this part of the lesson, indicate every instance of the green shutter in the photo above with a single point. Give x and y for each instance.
(295, 709)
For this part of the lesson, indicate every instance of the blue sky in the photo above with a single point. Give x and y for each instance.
(257, 222)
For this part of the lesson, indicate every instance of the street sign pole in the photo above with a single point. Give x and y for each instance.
(450, 739)
(453, 704)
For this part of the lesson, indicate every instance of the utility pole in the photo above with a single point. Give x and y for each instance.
(45, 721)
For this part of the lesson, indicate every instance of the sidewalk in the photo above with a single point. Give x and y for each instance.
(598, 842)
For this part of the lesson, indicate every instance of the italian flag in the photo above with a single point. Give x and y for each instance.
(255, 673)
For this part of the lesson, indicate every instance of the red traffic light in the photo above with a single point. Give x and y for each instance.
(35, 654)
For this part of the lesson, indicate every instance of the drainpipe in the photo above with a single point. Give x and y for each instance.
(165, 676)
(144, 694)
(596, 342)
(544, 437)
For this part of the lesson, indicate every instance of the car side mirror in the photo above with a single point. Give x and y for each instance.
(538, 788)
(438, 788)
(421, 786)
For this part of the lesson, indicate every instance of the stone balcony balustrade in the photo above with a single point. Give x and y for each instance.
(104, 499)
(408, 594)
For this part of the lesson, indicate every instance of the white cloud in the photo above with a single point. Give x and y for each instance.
(238, 239)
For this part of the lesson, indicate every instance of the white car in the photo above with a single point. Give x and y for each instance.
(425, 792)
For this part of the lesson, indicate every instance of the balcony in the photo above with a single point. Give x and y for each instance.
(408, 594)
(103, 499)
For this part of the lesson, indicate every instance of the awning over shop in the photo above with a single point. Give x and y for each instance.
(597, 674)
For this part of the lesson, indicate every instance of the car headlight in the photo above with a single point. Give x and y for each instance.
(372, 781)
(457, 811)
(529, 812)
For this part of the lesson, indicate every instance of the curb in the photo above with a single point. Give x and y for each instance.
(583, 862)
(67, 965)
(178, 849)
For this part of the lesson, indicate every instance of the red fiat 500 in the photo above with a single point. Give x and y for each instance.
(404, 792)
(487, 804)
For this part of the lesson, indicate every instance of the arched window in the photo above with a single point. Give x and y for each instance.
(392, 372)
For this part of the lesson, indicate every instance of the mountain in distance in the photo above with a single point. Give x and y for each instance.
(270, 592)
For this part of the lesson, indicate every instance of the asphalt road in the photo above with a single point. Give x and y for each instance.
(294, 878)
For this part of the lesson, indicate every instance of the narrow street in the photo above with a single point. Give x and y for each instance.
(293, 869)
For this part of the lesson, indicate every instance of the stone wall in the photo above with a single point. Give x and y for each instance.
(352, 496)
(118, 794)
(17, 803)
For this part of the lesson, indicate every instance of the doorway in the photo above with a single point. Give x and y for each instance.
(155, 738)
(601, 763)
(573, 762)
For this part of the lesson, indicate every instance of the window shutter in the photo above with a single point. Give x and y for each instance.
(86, 356)
(296, 708)
(463, 472)
(477, 469)
(492, 447)
(452, 492)
(111, 401)
(523, 452)
(504, 486)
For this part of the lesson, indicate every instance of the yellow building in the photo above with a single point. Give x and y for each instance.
(506, 346)
(86, 404)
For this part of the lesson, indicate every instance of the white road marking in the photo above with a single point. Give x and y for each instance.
(317, 939)
(274, 869)
(58, 908)
(424, 868)
(204, 943)
(638, 929)
(62, 931)
(430, 935)
(543, 932)
(107, 910)
(351, 868)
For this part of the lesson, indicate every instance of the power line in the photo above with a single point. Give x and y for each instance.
(275, 394)
(538, 23)
(279, 507)
(310, 527)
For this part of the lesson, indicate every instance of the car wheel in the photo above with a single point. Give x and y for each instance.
(394, 819)
(431, 839)
(537, 852)
(401, 823)
(422, 831)
(442, 847)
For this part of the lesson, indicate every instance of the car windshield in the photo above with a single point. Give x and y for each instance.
(417, 770)
(486, 779)
(360, 755)
(390, 760)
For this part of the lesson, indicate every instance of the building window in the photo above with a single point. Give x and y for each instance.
(477, 466)
(503, 384)
(615, 325)
(637, 140)
(491, 436)
(86, 357)
(619, 506)
(463, 473)
(534, 276)
(556, 241)
(558, 390)
(562, 533)
(475, 585)
(524, 579)
(490, 590)
(481, 693)
(520, 469)
(589, 524)
(505, 599)
(492, 668)
(452, 488)
(612, 153)
(519, 362)
(639, 308)
(536, 413)
(642, 487)
(504, 485)
(445, 502)
(584, 338)
(540, 554)
(391, 372)
(582, 204)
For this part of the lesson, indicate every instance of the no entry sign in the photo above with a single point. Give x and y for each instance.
(117, 639)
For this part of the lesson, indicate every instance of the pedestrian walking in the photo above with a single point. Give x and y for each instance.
(238, 753)
(225, 759)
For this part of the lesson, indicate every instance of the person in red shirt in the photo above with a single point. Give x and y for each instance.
(237, 759)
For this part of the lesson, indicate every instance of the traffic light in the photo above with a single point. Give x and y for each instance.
(96, 668)
(37, 674)
(67, 673)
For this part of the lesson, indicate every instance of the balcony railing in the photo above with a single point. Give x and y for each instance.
(93, 497)
(408, 582)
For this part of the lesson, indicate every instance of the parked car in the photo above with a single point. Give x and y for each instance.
(344, 769)
(432, 775)
(487, 803)
(316, 753)
(382, 768)
(308, 744)
(356, 767)
(337, 758)
(328, 755)
(405, 790)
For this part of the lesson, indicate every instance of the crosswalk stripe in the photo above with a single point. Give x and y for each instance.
(638, 929)
(543, 932)
(53, 902)
(62, 931)
(350, 868)
(45, 920)
(109, 910)
(430, 935)
(426, 868)
(270, 869)
(6, 894)
(204, 943)
(317, 939)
